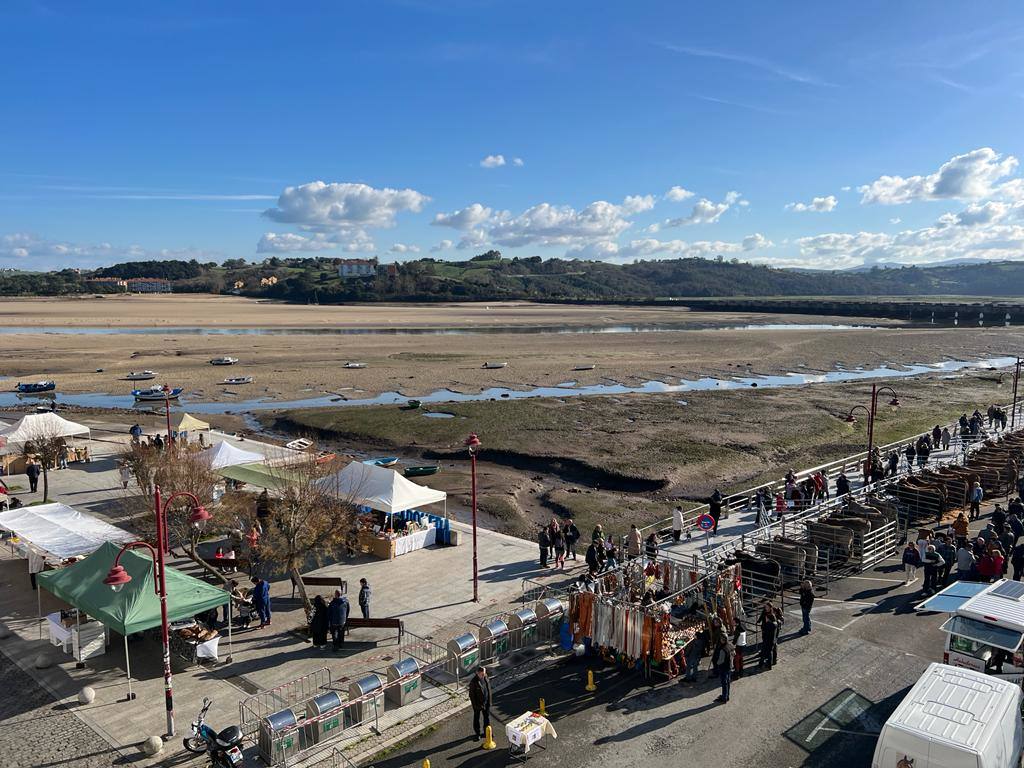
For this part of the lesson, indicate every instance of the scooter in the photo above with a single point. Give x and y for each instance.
(222, 747)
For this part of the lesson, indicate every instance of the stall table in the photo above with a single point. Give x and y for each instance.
(85, 640)
(525, 731)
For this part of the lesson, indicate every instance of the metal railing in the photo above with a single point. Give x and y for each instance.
(256, 707)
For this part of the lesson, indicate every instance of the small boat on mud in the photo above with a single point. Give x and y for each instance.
(238, 380)
(585, 367)
(422, 470)
(411, 405)
(354, 366)
(493, 366)
(224, 361)
(157, 393)
(140, 375)
(384, 461)
(36, 387)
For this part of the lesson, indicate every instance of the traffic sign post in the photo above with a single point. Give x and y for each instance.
(706, 522)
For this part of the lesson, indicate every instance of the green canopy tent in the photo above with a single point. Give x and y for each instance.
(259, 475)
(137, 606)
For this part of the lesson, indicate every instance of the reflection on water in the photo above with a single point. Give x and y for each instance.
(496, 393)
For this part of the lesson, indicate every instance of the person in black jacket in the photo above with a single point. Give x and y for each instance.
(337, 618)
(32, 471)
(722, 659)
(842, 484)
(769, 636)
(480, 698)
(806, 602)
(318, 622)
(572, 535)
(715, 509)
(364, 598)
(544, 541)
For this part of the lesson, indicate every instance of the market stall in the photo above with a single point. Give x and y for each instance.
(526, 730)
(259, 476)
(189, 426)
(391, 524)
(136, 607)
(34, 428)
(222, 455)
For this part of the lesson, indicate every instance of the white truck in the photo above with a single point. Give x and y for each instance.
(954, 718)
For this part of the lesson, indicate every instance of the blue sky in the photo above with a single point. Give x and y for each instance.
(624, 130)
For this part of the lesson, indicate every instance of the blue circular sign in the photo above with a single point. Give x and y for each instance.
(705, 522)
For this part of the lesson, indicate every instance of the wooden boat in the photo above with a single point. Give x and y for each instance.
(493, 366)
(300, 444)
(157, 393)
(224, 361)
(238, 380)
(140, 375)
(354, 366)
(35, 388)
(325, 457)
(421, 471)
(384, 461)
(584, 367)
(411, 405)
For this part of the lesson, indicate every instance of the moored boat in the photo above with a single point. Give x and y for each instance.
(493, 366)
(411, 405)
(34, 388)
(224, 361)
(238, 380)
(140, 375)
(422, 470)
(584, 367)
(157, 393)
(384, 461)
(354, 366)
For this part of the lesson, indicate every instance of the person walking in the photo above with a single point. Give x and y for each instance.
(594, 558)
(977, 495)
(337, 618)
(558, 544)
(911, 560)
(947, 552)
(124, 472)
(544, 542)
(739, 642)
(695, 651)
(136, 433)
(572, 535)
(715, 509)
(318, 622)
(32, 471)
(364, 598)
(480, 698)
(261, 601)
(769, 637)
(960, 528)
(806, 603)
(633, 542)
(722, 659)
(677, 523)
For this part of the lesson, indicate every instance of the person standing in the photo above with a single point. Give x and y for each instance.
(318, 622)
(593, 558)
(32, 469)
(651, 548)
(715, 509)
(695, 651)
(806, 603)
(136, 433)
(944, 438)
(480, 698)
(842, 484)
(739, 642)
(933, 565)
(337, 618)
(124, 472)
(977, 495)
(544, 542)
(769, 636)
(261, 601)
(572, 535)
(558, 544)
(364, 598)
(1017, 561)
(960, 527)
(677, 523)
(947, 552)
(911, 559)
(723, 660)
(633, 542)
(965, 562)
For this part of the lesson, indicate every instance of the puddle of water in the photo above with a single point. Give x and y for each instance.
(438, 415)
(567, 384)
(496, 393)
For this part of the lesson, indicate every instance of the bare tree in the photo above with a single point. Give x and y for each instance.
(48, 447)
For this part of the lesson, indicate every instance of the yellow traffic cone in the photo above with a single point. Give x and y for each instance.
(426, 763)
(488, 739)
(590, 680)
(541, 711)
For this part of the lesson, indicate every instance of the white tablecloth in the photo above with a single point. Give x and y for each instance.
(59, 634)
(413, 541)
(208, 650)
(527, 729)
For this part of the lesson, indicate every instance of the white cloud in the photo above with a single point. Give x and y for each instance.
(546, 224)
(970, 176)
(343, 206)
(649, 247)
(444, 245)
(707, 212)
(677, 194)
(467, 218)
(404, 248)
(493, 161)
(518, 162)
(846, 188)
(637, 203)
(23, 250)
(977, 214)
(475, 238)
(895, 220)
(817, 205)
(756, 241)
(287, 242)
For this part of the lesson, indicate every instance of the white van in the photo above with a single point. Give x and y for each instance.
(986, 630)
(954, 718)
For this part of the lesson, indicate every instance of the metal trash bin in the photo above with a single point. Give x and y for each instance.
(522, 627)
(279, 738)
(410, 689)
(463, 654)
(371, 686)
(550, 613)
(493, 640)
(324, 713)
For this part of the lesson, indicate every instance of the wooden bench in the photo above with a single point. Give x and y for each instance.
(361, 623)
(322, 581)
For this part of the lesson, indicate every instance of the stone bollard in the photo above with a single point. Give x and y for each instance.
(43, 661)
(5, 632)
(87, 695)
(153, 745)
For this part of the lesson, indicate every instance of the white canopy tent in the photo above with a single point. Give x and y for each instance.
(223, 454)
(38, 426)
(380, 488)
(59, 530)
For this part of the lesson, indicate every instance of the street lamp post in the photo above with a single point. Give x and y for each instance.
(167, 408)
(118, 577)
(871, 412)
(473, 445)
(1013, 410)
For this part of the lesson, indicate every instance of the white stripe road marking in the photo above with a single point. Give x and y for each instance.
(852, 733)
(830, 716)
(846, 602)
(876, 578)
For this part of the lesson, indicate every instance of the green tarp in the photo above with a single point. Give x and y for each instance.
(259, 475)
(136, 607)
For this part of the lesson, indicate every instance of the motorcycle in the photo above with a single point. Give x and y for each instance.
(223, 748)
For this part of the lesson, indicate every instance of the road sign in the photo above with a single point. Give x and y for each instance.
(705, 522)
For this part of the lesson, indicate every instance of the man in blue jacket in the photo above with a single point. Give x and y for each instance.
(337, 618)
(261, 601)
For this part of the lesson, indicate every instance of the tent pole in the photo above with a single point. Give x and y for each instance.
(39, 610)
(128, 668)
(231, 646)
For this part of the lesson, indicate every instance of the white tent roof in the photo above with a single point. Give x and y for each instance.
(223, 454)
(380, 488)
(190, 423)
(59, 530)
(39, 426)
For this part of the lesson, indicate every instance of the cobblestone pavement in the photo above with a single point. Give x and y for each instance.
(35, 732)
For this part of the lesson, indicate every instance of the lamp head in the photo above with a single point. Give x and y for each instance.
(472, 442)
(199, 516)
(851, 419)
(117, 578)
(894, 403)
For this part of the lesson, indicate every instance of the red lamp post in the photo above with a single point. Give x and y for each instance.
(875, 392)
(473, 445)
(167, 408)
(118, 577)
(1013, 410)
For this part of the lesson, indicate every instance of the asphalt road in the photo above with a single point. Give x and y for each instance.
(822, 705)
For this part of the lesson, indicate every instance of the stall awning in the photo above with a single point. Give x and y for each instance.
(190, 423)
(952, 597)
(59, 530)
(260, 475)
(223, 454)
(136, 607)
(39, 426)
(379, 488)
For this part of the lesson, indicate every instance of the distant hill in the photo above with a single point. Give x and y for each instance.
(490, 277)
